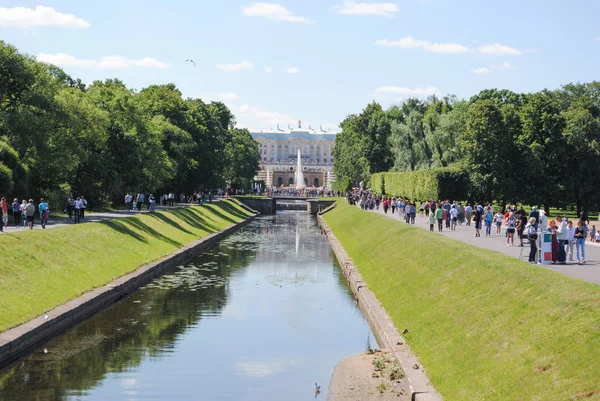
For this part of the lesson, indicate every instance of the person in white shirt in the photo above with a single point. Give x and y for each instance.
(77, 207)
(454, 217)
(570, 239)
(562, 235)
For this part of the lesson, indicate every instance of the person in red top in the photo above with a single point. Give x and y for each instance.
(4, 205)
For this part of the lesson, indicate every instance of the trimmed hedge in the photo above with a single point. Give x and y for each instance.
(428, 184)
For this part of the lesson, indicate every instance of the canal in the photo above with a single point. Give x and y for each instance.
(263, 315)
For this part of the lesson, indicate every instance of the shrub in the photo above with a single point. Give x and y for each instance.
(438, 183)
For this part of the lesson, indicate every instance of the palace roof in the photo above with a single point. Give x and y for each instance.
(292, 135)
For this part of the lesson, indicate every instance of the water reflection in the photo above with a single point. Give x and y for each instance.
(263, 315)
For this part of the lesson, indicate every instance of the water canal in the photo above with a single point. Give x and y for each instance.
(261, 316)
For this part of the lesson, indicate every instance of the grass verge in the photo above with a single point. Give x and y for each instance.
(485, 326)
(42, 269)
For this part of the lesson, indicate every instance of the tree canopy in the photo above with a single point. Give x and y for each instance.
(538, 148)
(59, 137)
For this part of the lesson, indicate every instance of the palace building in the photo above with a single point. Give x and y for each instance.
(279, 156)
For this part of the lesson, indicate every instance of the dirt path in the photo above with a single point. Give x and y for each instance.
(368, 377)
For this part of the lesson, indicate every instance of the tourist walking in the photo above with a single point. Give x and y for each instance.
(499, 218)
(139, 200)
(129, 202)
(554, 242)
(580, 234)
(16, 211)
(24, 212)
(30, 213)
(521, 223)
(570, 239)
(531, 232)
(44, 210)
(83, 207)
(511, 225)
(439, 215)
(468, 214)
(70, 207)
(488, 216)
(477, 218)
(393, 204)
(4, 212)
(454, 217)
(562, 235)
(77, 210)
(431, 221)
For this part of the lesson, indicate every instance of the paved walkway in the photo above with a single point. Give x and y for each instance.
(91, 217)
(588, 272)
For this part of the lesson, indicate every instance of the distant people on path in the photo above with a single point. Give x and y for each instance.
(139, 201)
(477, 219)
(468, 213)
(83, 207)
(580, 234)
(570, 240)
(70, 207)
(431, 220)
(129, 202)
(16, 211)
(4, 212)
(562, 236)
(77, 210)
(439, 216)
(24, 212)
(511, 225)
(44, 210)
(30, 213)
(488, 217)
(536, 215)
(531, 232)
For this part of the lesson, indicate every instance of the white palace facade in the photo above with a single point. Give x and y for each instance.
(279, 155)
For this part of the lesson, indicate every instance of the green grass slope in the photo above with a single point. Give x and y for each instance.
(42, 269)
(485, 326)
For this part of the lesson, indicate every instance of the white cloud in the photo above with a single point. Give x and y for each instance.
(411, 43)
(498, 49)
(109, 62)
(268, 69)
(506, 66)
(293, 70)
(249, 116)
(379, 9)
(40, 16)
(480, 71)
(244, 65)
(396, 90)
(275, 12)
(228, 96)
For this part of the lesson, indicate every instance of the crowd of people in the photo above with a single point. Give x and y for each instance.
(23, 213)
(568, 238)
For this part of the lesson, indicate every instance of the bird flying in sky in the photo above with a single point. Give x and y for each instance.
(191, 61)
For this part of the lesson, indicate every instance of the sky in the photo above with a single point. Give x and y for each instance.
(312, 60)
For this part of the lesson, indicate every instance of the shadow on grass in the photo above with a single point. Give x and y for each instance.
(135, 228)
(194, 219)
(164, 218)
(230, 208)
(121, 226)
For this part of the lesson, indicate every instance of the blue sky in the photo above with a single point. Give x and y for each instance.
(326, 58)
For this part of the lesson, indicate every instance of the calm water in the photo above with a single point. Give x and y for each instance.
(261, 316)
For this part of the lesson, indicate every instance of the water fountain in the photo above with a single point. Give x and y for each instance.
(299, 174)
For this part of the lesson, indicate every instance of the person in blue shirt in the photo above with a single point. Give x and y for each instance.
(16, 210)
(488, 217)
(44, 210)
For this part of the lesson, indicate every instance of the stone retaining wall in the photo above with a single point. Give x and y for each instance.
(382, 325)
(19, 340)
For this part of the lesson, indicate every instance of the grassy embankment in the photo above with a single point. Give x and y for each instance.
(41, 269)
(485, 326)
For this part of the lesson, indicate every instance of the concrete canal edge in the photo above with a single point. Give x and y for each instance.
(19, 340)
(383, 328)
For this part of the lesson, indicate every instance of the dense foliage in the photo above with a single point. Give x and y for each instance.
(540, 148)
(59, 137)
(426, 184)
